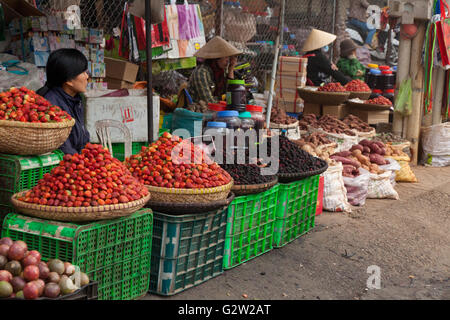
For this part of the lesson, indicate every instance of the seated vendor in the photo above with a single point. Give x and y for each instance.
(208, 81)
(320, 68)
(348, 63)
(67, 77)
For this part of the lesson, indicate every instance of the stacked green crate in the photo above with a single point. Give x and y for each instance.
(115, 253)
(296, 210)
(118, 149)
(18, 173)
(250, 226)
(187, 250)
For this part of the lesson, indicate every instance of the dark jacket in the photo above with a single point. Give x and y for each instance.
(319, 69)
(79, 136)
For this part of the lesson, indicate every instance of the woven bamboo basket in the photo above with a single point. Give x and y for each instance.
(178, 195)
(363, 95)
(366, 135)
(240, 190)
(27, 138)
(367, 106)
(77, 214)
(321, 97)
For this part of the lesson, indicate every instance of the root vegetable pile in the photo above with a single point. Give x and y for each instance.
(280, 116)
(315, 139)
(154, 165)
(24, 276)
(25, 105)
(389, 137)
(246, 174)
(357, 124)
(307, 120)
(380, 100)
(92, 178)
(332, 124)
(357, 86)
(318, 145)
(294, 160)
(394, 152)
(367, 154)
(332, 87)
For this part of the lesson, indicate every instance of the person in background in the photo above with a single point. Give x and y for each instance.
(208, 81)
(348, 63)
(67, 77)
(320, 68)
(358, 18)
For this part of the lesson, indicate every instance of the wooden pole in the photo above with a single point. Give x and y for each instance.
(437, 106)
(404, 58)
(417, 74)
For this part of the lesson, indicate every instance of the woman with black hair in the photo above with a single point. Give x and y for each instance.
(67, 77)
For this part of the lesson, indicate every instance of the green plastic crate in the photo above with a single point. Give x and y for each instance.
(18, 173)
(118, 149)
(116, 253)
(187, 250)
(250, 225)
(296, 210)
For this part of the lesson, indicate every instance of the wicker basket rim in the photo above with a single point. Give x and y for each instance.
(284, 126)
(56, 209)
(254, 186)
(40, 125)
(325, 93)
(368, 105)
(191, 191)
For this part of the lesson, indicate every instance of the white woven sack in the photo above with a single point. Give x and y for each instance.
(334, 192)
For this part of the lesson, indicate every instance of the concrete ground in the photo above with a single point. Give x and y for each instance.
(408, 239)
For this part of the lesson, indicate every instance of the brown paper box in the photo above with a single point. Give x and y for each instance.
(118, 84)
(290, 81)
(292, 64)
(339, 111)
(371, 117)
(121, 70)
(312, 108)
(294, 106)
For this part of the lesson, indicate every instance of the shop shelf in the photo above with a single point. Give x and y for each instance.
(187, 250)
(296, 210)
(115, 253)
(250, 226)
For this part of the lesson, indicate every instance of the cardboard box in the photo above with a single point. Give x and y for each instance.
(118, 84)
(339, 111)
(312, 108)
(294, 106)
(121, 70)
(287, 94)
(290, 81)
(371, 117)
(292, 64)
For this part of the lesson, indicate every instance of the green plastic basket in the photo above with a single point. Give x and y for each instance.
(296, 210)
(18, 173)
(115, 253)
(118, 149)
(250, 225)
(187, 250)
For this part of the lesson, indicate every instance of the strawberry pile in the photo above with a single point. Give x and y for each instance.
(27, 106)
(154, 165)
(92, 178)
(357, 86)
(380, 100)
(332, 87)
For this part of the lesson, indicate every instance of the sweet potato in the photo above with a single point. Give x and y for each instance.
(363, 160)
(374, 148)
(343, 154)
(380, 144)
(365, 142)
(377, 159)
(346, 161)
(366, 149)
(357, 147)
(356, 152)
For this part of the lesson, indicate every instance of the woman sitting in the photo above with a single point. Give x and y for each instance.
(67, 77)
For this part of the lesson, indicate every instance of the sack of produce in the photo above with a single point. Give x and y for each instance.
(405, 174)
(334, 192)
(188, 120)
(394, 167)
(362, 129)
(436, 145)
(357, 187)
(380, 186)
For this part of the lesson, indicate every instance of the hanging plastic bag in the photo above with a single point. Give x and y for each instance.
(403, 102)
(334, 192)
(357, 188)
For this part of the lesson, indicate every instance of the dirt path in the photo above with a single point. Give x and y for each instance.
(408, 239)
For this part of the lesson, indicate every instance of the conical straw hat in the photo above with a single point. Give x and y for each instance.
(217, 48)
(317, 39)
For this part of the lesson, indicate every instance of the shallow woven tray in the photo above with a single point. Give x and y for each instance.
(77, 214)
(319, 97)
(274, 125)
(27, 138)
(363, 95)
(185, 196)
(189, 208)
(241, 190)
(291, 177)
(367, 106)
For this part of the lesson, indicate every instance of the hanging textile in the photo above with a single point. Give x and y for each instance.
(443, 34)
(430, 41)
